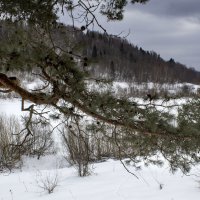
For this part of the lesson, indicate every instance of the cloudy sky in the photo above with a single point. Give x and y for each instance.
(171, 28)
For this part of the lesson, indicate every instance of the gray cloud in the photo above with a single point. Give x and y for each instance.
(170, 8)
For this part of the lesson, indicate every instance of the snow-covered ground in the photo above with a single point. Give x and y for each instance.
(109, 180)
(171, 88)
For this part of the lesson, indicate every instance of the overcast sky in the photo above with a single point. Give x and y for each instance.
(171, 28)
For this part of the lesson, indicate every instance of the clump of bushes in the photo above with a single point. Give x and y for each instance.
(15, 142)
(10, 152)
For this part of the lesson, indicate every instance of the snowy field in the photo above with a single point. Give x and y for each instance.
(108, 181)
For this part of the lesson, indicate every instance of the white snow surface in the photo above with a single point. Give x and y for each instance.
(109, 180)
(171, 88)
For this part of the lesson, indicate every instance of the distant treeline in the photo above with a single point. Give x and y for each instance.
(122, 61)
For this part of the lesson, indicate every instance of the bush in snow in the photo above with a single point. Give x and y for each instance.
(39, 142)
(10, 152)
(15, 142)
(47, 181)
(78, 149)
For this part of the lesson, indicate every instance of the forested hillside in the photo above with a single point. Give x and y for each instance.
(125, 62)
(107, 56)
